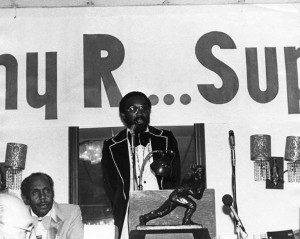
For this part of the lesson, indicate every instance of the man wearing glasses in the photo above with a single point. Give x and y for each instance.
(124, 154)
(15, 219)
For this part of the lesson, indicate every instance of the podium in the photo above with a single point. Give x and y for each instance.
(170, 226)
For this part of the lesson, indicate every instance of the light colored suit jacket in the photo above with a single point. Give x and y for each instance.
(67, 222)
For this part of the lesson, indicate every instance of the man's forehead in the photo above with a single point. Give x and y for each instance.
(136, 100)
(39, 182)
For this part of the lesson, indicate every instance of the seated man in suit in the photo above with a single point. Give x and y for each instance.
(54, 220)
(15, 219)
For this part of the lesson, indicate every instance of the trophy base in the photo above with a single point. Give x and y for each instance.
(174, 232)
(168, 227)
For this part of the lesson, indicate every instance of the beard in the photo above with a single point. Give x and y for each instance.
(141, 128)
(140, 122)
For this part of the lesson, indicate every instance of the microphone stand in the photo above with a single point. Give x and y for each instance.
(135, 183)
(239, 227)
(233, 180)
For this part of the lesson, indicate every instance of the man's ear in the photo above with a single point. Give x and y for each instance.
(25, 200)
(123, 117)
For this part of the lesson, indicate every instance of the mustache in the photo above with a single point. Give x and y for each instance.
(43, 203)
(139, 117)
(140, 126)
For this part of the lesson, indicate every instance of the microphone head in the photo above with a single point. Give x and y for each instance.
(231, 138)
(227, 200)
(132, 128)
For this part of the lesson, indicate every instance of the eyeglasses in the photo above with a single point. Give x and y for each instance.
(24, 232)
(135, 108)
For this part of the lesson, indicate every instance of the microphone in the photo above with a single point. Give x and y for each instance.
(132, 129)
(227, 200)
(232, 146)
(231, 139)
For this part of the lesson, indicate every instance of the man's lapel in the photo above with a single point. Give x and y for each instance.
(57, 220)
(158, 142)
(120, 156)
(121, 159)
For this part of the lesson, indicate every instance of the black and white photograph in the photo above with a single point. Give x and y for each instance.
(149, 119)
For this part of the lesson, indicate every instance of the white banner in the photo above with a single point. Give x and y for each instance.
(210, 63)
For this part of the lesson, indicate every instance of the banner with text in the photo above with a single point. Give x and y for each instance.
(209, 63)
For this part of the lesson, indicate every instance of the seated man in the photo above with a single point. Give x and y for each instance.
(54, 220)
(15, 219)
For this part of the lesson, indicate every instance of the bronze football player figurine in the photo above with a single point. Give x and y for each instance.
(193, 185)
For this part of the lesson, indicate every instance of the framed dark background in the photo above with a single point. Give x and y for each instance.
(85, 179)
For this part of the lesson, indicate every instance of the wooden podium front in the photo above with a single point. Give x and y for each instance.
(169, 226)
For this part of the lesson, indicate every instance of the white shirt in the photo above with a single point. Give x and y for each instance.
(40, 231)
(148, 178)
(149, 181)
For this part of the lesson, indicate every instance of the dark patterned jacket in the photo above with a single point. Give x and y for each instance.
(116, 168)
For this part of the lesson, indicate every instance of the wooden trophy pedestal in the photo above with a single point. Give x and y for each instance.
(181, 231)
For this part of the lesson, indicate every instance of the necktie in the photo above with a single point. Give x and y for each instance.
(40, 230)
(42, 227)
(140, 138)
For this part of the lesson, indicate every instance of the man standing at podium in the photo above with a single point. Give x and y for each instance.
(124, 154)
